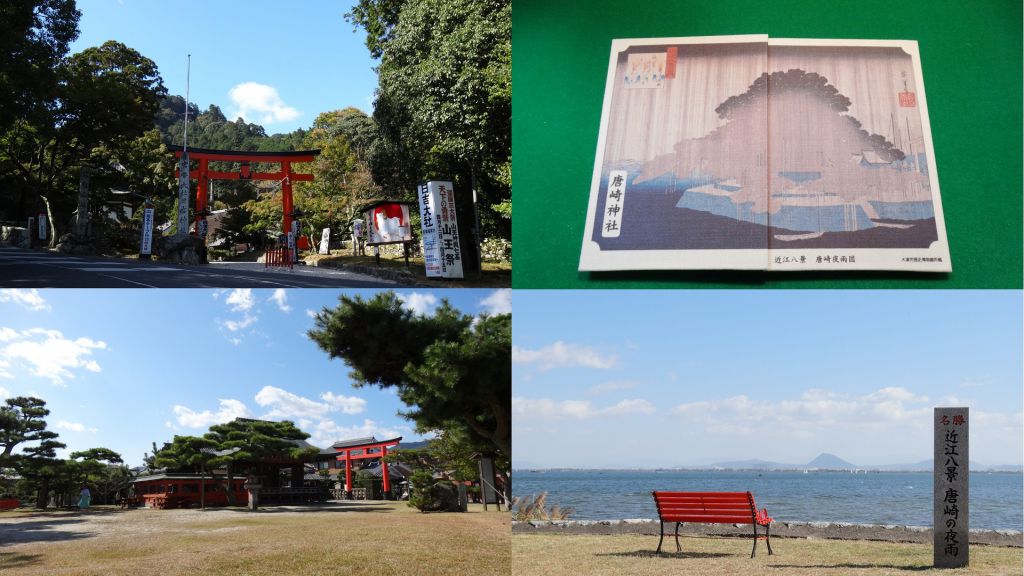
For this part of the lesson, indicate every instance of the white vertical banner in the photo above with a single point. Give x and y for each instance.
(146, 246)
(183, 189)
(325, 241)
(428, 226)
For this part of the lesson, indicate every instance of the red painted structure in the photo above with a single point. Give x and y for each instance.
(278, 257)
(183, 491)
(363, 449)
(284, 175)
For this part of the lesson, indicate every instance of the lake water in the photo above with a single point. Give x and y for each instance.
(875, 498)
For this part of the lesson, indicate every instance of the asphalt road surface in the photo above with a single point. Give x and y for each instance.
(20, 268)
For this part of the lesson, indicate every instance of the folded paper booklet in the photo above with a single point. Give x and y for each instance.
(744, 152)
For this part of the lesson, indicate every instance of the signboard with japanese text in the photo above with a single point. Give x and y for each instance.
(487, 487)
(442, 253)
(951, 483)
(388, 224)
(42, 226)
(146, 246)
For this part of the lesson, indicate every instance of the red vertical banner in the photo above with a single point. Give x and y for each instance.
(671, 55)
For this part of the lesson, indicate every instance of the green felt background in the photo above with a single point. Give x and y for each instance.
(971, 59)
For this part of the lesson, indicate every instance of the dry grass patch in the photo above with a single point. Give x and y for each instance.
(629, 555)
(382, 538)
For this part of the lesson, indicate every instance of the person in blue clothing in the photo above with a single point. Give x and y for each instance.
(84, 497)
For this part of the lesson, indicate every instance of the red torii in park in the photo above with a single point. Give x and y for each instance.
(285, 176)
(362, 449)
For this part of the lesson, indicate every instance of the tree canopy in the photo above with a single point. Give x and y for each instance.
(447, 368)
(444, 101)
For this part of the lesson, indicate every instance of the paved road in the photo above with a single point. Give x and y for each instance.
(20, 268)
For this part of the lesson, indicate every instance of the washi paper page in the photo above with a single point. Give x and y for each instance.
(820, 160)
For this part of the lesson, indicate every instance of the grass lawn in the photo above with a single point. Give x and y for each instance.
(556, 554)
(349, 538)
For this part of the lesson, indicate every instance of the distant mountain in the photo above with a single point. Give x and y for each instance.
(830, 462)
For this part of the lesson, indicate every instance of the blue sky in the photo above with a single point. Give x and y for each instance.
(124, 368)
(278, 64)
(668, 378)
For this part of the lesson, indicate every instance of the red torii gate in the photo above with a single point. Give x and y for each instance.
(285, 176)
(362, 449)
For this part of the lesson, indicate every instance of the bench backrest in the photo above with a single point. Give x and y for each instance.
(712, 507)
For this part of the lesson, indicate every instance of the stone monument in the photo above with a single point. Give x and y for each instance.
(951, 484)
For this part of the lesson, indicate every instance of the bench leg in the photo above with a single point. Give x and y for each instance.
(754, 551)
(658, 551)
(678, 547)
(768, 538)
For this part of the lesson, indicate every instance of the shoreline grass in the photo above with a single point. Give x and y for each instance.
(633, 555)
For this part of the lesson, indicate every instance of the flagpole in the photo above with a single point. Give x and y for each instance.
(188, 85)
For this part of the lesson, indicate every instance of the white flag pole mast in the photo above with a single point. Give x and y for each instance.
(188, 85)
(183, 175)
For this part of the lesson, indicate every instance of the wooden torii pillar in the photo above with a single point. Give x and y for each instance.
(285, 176)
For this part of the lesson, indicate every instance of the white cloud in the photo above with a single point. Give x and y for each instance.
(236, 325)
(546, 408)
(74, 426)
(48, 354)
(260, 103)
(310, 313)
(813, 409)
(564, 355)
(610, 387)
(280, 297)
(346, 404)
(499, 302)
(4, 370)
(241, 300)
(327, 432)
(4, 393)
(229, 410)
(287, 405)
(420, 304)
(28, 299)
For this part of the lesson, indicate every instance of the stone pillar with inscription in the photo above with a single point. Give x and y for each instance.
(82, 219)
(951, 483)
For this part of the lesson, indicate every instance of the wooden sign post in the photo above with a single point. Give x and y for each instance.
(951, 480)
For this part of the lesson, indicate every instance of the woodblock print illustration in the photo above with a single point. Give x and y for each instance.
(844, 165)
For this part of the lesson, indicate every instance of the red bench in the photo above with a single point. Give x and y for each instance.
(711, 507)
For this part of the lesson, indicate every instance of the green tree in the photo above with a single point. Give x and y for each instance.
(447, 368)
(105, 95)
(102, 469)
(23, 423)
(240, 445)
(34, 38)
(444, 100)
